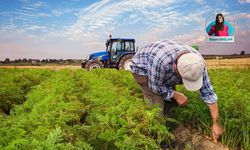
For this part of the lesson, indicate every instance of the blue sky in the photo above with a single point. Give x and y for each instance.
(75, 28)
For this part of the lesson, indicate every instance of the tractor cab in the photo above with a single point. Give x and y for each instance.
(117, 47)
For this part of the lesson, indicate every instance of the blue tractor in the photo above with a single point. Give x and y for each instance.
(118, 54)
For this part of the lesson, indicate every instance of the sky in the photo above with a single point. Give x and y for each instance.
(72, 29)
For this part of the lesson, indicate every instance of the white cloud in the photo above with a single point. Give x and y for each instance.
(57, 12)
(244, 1)
(42, 15)
(195, 37)
(35, 27)
(28, 8)
(239, 16)
(38, 4)
(104, 14)
(60, 12)
(24, 12)
(153, 20)
(30, 11)
(200, 1)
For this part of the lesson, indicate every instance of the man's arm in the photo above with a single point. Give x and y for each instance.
(206, 92)
(216, 127)
(214, 113)
(209, 97)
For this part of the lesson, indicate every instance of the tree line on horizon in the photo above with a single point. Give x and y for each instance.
(40, 61)
(78, 61)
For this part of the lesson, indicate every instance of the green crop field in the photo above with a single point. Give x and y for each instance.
(104, 109)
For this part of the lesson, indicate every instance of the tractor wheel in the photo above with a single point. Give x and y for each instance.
(93, 64)
(83, 64)
(125, 62)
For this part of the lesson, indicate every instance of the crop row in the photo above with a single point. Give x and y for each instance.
(83, 110)
(104, 109)
(16, 83)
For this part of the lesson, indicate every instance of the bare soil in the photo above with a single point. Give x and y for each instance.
(190, 139)
(228, 63)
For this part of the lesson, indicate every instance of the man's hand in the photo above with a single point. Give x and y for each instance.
(180, 98)
(216, 128)
(216, 132)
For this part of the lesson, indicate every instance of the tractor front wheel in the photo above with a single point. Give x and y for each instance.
(125, 62)
(93, 64)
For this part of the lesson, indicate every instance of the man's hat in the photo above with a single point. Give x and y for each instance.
(191, 67)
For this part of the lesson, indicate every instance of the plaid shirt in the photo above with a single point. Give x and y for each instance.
(156, 62)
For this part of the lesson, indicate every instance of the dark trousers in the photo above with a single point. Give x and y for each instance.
(153, 98)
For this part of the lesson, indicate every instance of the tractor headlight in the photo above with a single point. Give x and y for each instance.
(88, 57)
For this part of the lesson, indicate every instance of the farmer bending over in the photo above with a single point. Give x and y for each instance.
(159, 66)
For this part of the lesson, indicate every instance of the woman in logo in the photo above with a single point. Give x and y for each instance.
(219, 29)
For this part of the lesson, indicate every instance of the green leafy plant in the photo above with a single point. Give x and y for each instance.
(78, 109)
(232, 88)
(104, 109)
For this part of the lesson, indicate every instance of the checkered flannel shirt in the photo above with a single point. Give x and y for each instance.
(156, 62)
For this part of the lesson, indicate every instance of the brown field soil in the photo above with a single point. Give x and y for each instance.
(211, 64)
(191, 139)
(228, 63)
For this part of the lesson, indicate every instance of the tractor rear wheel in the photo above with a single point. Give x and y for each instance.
(93, 64)
(125, 62)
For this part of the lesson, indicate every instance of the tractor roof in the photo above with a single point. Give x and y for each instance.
(122, 39)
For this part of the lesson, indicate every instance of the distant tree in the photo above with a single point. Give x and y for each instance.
(24, 60)
(61, 61)
(7, 60)
(37, 60)
(29, 60)
(242, 53)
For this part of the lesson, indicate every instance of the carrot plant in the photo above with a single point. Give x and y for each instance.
(16, 83)
(104, 109)
(119, 117)
(84, 110)
(52, 117)
(232, 88)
